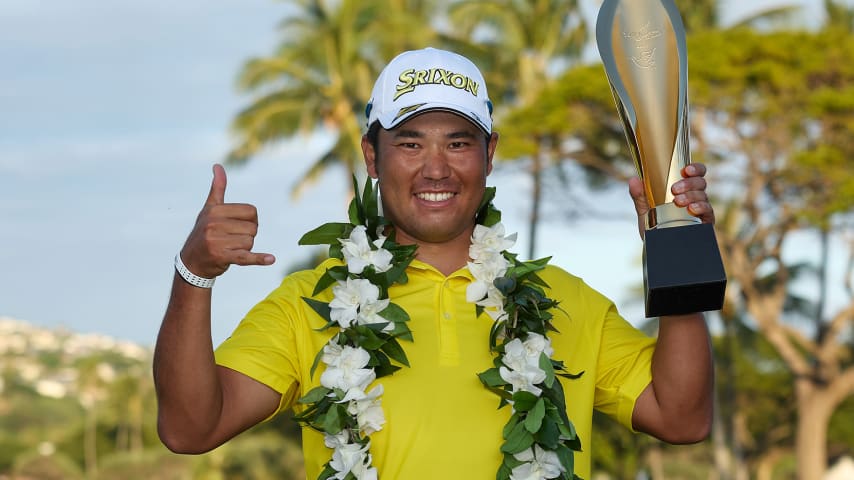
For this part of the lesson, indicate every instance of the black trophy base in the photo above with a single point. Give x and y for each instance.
(683, 270)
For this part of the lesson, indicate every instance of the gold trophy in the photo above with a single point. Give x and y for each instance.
(642, 45)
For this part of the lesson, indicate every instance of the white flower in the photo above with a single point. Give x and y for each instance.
(485, 271)
(541, 464)
(366, 408)
(489, 267)
(353, 458)
(347, 370)
(331, 353)
(517, 353)
(491, 299)
(535, 345)
(336, 441)
(349, 295)
(524, 380)
(489, 240)
(358, 252)
(370, 313)
(521, 369)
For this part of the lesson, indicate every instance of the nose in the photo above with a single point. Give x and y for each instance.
(435, 165)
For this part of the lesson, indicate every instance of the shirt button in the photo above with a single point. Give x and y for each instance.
(447, 316)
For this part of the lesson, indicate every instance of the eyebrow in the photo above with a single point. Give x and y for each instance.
(404, 133)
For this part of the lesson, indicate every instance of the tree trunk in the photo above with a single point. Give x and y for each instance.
(811, 441)
(766, 464)
(536, 200)
(90, 442)
(655, 462)
(722, 454)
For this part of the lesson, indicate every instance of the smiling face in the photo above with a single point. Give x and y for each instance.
(431, 172)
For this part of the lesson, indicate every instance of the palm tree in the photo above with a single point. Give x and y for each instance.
(321, 76)
(706, 14)
(839, 15)
(524, 41)
(91, 390)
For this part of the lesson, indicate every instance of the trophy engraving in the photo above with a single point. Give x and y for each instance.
(643, 49)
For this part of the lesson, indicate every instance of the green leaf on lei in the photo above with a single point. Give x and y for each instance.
(549, 433)
(535, 416)
(491, 378)
(524, 401)
(519, 440)
(329, 277)
(322, 309)
(546, 366)
(571, 376)
(369, 202)
(503, 471)
(487, 214)
(325, 234)
(566, 458)
(393, 349)
(394, 313)
(316, 394)
(332, 422)
(328, 472)
(511, 424)
(362, 336)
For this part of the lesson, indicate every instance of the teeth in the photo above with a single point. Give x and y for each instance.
(435, 197)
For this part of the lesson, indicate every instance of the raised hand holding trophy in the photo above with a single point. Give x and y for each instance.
(643, 49)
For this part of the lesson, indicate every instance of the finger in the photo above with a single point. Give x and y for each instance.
(217, 194)
(237, 211)
(703, 211)
(687, 198)
(636, 190)
(231, 226)
(245, 257)
(694, 170)
(690, 184)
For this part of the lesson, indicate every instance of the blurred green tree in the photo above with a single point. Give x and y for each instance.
(698, 15)
(522, 45)
(779, 109)
(775, 110)
(839, 15)
(321, 75)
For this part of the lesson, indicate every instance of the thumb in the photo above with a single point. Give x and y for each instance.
(217, 193)
(636, 190)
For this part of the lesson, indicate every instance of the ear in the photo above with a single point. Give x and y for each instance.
(370, 157)
(490, 151)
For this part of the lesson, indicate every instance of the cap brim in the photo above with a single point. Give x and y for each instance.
(389, 121)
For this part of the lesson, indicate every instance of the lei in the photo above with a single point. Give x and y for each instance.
(539, 439)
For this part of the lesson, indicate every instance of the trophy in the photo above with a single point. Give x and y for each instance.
(642, 45)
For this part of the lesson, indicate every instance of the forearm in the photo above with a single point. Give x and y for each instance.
(189, 393)
(683, 377)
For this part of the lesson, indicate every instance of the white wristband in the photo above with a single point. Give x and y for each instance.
(189, 276)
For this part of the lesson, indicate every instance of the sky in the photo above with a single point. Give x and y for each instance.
(111, 116)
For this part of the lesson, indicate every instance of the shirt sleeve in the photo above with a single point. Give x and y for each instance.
(625, 361)
(264, 344)
(605, 345)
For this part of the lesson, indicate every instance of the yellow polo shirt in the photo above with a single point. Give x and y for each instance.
(440, 420)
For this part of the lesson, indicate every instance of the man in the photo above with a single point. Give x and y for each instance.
(430, 146)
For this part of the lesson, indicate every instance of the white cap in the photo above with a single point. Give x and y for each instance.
(430, 79)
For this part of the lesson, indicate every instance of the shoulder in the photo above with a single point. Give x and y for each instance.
(576, 297)
(304, 280)
(564, 283)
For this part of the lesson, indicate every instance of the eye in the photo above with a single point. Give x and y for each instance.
(407, 145)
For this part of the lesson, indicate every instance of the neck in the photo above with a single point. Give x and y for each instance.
(447, 256)
(443, 257)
